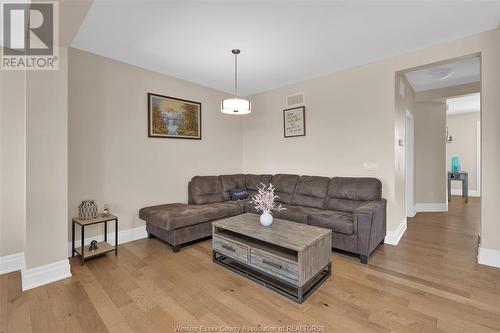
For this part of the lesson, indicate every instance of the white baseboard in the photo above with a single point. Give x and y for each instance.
(11, 263)
(393, 237)
(430, 207)
(488, 257)
(124, 236)
(39, 276)
(412, 212)
(472, 193)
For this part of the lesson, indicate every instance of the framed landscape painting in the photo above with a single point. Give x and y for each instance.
(176, 118)
(294, 121)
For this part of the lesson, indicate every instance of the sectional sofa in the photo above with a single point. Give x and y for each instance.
(351, 207)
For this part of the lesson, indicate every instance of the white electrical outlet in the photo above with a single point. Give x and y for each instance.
(371, 165)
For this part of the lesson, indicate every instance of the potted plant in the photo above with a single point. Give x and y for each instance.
(264, 202)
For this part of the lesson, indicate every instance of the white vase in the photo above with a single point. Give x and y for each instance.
(266, 219)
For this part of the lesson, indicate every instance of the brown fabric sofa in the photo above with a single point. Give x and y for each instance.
(351, 207)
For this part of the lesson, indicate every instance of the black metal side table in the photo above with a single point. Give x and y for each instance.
(102, 247)
(464, 178)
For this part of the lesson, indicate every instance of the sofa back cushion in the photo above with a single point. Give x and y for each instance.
(346, 194)
(284, 187)
(206, 189)
(231, 182)
(311, 191)
(252, 181)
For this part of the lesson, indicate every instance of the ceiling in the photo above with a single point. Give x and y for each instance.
(463, 104)
(281, 42)
(445, 75)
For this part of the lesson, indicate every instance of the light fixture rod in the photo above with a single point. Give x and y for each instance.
(235, 74)
(235, 52)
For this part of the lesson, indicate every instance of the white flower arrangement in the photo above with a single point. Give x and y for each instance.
(264, 199)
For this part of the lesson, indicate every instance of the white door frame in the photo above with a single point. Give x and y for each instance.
(409, 164)
(478, 157)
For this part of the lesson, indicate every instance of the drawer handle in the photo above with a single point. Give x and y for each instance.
(229, 248)
(270, 263)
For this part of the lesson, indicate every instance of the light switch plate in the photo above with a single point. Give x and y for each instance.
(371, 166)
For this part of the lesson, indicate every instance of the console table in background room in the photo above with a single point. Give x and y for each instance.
(464, 178)
(103, 247)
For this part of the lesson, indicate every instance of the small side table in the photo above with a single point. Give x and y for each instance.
(464, 178)
(102, 247)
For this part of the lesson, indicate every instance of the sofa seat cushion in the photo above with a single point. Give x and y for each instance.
(242, 204)
(340, 222)
(296, 213)
(249, 207)
(175, 216)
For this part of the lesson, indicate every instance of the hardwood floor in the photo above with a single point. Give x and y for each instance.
(428, 283)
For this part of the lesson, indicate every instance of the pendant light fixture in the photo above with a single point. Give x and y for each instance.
(235, 105)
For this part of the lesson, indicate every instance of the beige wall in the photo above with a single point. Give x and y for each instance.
(112, 160)
(463, 128)
(12, 162)
(430, 153)
(47, 164)
(350, 120)
(34, 156)
(490, 144)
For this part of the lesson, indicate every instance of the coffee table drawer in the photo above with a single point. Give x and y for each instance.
(230, 248)
(274, 265)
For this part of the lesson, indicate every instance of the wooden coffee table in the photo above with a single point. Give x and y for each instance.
(290, 258)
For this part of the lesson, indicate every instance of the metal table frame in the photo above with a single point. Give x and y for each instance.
(104, 220)
(464, 178)
(302, 291)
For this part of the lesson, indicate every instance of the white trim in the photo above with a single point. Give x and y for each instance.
(393, 237)
(478, 158)
(42, 275)
(412, 211)
(472, 193)
(11, 263)
(124, 236)
(409, 164)
(488, 257)
(430, 207)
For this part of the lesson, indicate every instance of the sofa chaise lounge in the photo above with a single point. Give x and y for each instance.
(351, 207)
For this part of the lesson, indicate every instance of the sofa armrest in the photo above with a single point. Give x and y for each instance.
(370, 222)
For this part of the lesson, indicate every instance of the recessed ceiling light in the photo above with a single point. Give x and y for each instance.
(441, 73)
